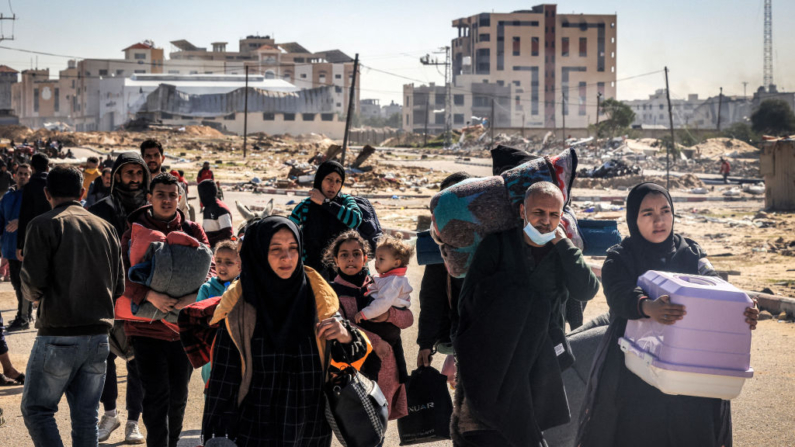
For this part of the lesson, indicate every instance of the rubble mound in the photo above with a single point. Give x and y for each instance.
(686, 181)
(730, 147)
(15, 132)
(203, 131)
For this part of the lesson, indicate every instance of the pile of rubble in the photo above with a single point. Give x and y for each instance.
(687, 181)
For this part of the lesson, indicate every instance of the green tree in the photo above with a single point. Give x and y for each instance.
(742, 132)
(773, 117)
(619, 117)
(395, 121)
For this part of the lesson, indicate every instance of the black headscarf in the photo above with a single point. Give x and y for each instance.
(326, 168)
(504, 158)
(642, 248)
(284, 306)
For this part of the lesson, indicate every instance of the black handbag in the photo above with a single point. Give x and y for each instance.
(430, 408)
(356, 409)
(562, 347)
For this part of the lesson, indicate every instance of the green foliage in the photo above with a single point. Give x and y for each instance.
(379, 121)
(773, 117)
(619, 118)
(742, 132)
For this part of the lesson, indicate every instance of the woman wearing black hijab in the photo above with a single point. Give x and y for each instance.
(325, 214)
(621, 409)
(266, 385)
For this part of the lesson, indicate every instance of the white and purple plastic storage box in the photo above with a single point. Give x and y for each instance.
(707, 353)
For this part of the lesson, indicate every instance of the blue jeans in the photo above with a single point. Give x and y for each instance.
(58, 365)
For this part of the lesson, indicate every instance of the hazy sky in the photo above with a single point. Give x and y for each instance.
(705, 43)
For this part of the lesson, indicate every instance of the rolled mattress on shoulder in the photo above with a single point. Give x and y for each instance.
(464, 214)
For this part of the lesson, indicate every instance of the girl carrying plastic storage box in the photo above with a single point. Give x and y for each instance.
(621, 409)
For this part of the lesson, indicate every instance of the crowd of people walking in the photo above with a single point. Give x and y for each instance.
(115, 269)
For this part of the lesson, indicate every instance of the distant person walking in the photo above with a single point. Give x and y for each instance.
(34, 201)
(75, 295)
(90, 172)
(205, 174)
(725, 169)
(9, 226)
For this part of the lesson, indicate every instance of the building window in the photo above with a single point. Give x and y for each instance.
(612, 69)
(270, 75)
(534, 47)
(140, 55)
(458, 100)
(308, 116)
(57, 105)
(501, 83)
(268, 116)
(327, 116)
(139, 71)
(289, 116)
(337, 76)
(299, 60)
(439, 118)
(481, 101)
(166, 116)
(408, 101)
(440, 99)
(518, 100)
(583, 47)
(230, 117)
(485, 37)
(612, 24)
(339, 104)
(303, 75)
(121, 72)
(483, 61)
(35, 100)
(564, 51)
(174, 72)
(73, 83)
(516, 46)
(103, 72)
(458, 118)
(193, 72)
(406, 121)
(88, 73)
(337, 89)
(612, 40)
(485, 20)
(322, 78)
(612, 55)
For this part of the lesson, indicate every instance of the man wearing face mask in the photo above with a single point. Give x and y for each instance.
(510, 344)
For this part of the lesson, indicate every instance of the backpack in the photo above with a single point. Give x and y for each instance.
(370, 228)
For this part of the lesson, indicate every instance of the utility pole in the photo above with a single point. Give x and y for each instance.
(720, 105)
(745, 84)
(673, 140)
(563, 114)
(598, 105)
(448, 108)
(351, 99)
(245, 116)
(427, 104)
(13, 18)
(491, 122)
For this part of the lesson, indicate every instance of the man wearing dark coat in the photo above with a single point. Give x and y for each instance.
(510, 344)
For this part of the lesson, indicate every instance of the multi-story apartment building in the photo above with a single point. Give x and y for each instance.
(653, 112)
(536, 66)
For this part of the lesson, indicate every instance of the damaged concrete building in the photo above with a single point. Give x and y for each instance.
(102, 94)
(536, 65)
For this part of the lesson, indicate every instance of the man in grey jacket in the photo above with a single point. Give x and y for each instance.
(75, 293)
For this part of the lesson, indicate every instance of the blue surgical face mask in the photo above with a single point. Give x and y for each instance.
(536, 236)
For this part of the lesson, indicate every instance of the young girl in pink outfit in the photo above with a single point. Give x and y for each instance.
(348, 255)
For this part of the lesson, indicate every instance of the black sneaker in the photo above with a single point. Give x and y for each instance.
(18, 325)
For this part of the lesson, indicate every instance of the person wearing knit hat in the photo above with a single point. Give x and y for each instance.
(326, 213)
